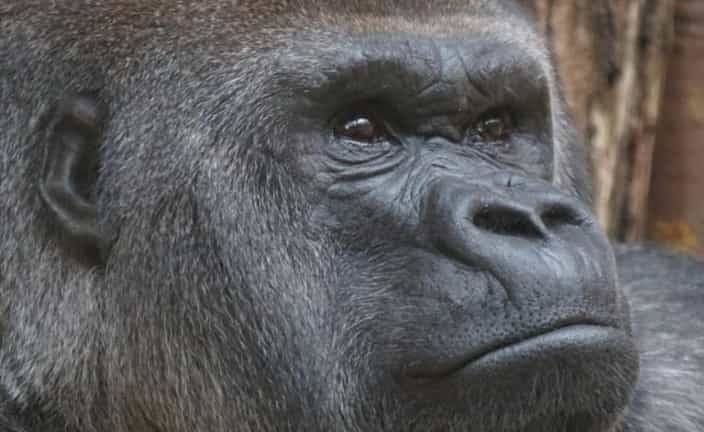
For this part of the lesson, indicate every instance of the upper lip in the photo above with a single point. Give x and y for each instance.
(445, 368)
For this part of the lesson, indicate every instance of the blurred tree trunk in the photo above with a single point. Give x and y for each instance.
(612, 58)
(677, 194)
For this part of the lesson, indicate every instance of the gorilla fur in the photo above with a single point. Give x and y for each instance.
(295, 215)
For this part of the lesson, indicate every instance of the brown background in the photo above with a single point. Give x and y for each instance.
(633, 73)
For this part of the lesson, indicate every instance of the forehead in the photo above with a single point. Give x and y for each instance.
(428, 12)
(322, 39)
(268, 23)
(504, 20)
(459, 21)
(414, 7)
(361, 12)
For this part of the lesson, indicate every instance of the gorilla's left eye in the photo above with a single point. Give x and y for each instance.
(495, 126)
(362, 129)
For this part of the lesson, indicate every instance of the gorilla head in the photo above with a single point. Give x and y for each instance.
(297, 215)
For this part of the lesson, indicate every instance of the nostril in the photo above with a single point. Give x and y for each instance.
(507, 221)
(559, 214)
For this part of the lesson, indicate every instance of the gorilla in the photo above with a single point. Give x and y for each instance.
(303, 215)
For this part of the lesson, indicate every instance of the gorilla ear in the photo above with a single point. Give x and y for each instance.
(70, 172)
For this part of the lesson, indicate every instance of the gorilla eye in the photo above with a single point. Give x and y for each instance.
(362, 129)
(495, 126)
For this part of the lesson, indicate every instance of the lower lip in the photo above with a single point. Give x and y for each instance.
(574, 340)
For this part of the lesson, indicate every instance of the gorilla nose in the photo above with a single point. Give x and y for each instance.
(532, 238)
(503, 216)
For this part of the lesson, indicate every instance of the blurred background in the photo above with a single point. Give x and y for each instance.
(633, 73)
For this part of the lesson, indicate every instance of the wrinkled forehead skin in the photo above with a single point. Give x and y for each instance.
(504, 21)
(308, 30)
(357, 25)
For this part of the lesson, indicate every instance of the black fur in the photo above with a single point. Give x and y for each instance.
(187, 242)
(666, 305)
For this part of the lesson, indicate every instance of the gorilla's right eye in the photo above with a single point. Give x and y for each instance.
(362, 129)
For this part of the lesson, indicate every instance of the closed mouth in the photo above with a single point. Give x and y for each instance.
(506, 353)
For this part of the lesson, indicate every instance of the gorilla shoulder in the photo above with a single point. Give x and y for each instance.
(666, 293)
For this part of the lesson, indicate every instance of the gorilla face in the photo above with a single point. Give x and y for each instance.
(339, 217)
(472, 288)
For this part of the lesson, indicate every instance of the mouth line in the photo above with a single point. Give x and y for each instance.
(570, 333)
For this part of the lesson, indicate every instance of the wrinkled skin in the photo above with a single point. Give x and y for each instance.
(294, 216)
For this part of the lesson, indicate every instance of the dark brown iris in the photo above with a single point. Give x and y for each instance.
(495, 127)
(361, 129)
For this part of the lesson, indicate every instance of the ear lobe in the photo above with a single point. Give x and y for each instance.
(67, 185)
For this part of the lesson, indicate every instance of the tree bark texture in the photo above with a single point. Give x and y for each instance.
(677, 193)
(612, 57)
